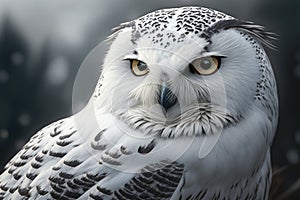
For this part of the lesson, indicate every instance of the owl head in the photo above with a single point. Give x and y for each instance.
(186, 71)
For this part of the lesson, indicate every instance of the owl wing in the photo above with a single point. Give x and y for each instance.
(156, 181)
(63, 162)
(27, 173)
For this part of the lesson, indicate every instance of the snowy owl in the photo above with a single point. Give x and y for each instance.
(185, 108)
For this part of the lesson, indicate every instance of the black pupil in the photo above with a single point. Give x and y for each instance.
(205, 64)
(142, 66)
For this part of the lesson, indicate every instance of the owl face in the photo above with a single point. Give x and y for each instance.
(174, 67)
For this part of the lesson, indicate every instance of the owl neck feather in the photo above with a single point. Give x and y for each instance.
(198, 119)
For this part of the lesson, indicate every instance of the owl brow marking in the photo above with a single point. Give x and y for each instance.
(267, 38)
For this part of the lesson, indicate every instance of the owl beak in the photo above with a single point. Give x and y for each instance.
(167, 99)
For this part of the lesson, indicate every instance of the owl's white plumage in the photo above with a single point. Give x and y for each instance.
(134, 140)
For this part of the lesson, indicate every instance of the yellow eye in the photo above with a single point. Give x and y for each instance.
(138, 67)
(206, 65)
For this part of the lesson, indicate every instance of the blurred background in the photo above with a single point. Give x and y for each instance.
(43, 43)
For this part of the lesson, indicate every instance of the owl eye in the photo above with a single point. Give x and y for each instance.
(206, 65)
(138, 67)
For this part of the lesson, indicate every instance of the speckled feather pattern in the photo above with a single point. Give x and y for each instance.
(160, 26)
(136, 154)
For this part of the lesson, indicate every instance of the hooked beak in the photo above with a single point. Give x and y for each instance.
(167, 99)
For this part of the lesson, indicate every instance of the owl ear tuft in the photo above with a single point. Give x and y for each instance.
(267, 38)
(118, 29)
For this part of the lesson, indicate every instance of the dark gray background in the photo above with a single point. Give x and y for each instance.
(43, 43)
